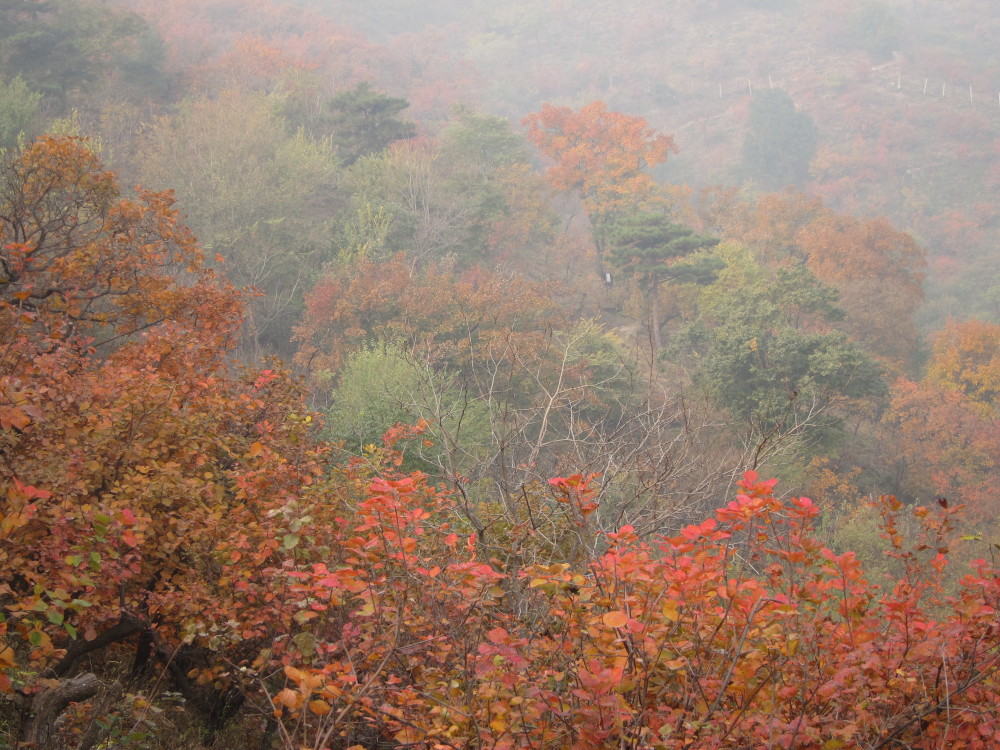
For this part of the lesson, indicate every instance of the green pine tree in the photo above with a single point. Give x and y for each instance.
(365, 121)
(655, 251)
(780, 142)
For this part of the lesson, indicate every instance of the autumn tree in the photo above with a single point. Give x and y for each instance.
(437, 308)
(164, 518)
(948, 423)
(600, 155)
(769, 225)
(951, 439)
(878, 271)
(121, 433)
(966, 358)
(73, 248)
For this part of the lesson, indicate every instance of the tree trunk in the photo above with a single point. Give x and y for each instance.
(97, 730)
(46, 706)
(654, 320)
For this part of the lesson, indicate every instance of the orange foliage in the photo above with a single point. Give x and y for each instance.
(527, 223)
(435, 308)
(252, 64)
(772, 224)
(877, 269)
(207, 38)
(146, 492)
(740, 631)
(966, 357)
(879, 272)
(842, 248)
(955, 444)
(599, 154)
(74, 252)
(121, 436)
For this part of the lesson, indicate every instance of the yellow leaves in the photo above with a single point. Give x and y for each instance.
(967, 359)
(137, 247)
(13, 417)
(7, 658)
(256, 449)
(15, 409)
(551, 579)
(295, 674)
(615, 619)
(626, 685)
(674, 664)
(499, 724)
(600, 153)
(308, 683)
(13, 521)
(289, 699)
(319, 707)
(40, 640)
(670, 610)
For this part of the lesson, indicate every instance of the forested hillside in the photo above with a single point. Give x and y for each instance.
(457, 375)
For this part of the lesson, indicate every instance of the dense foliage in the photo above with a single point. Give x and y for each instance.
(377, 420)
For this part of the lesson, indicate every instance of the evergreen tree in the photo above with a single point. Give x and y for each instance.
(780, 141)
(61, 46)
(656, 251)
(365, 121)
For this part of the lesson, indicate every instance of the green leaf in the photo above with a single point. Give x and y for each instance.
(291, 541)
(306, 643)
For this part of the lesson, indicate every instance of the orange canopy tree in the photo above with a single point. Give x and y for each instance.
(967, 359)
(600, 155)
(121, 436)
